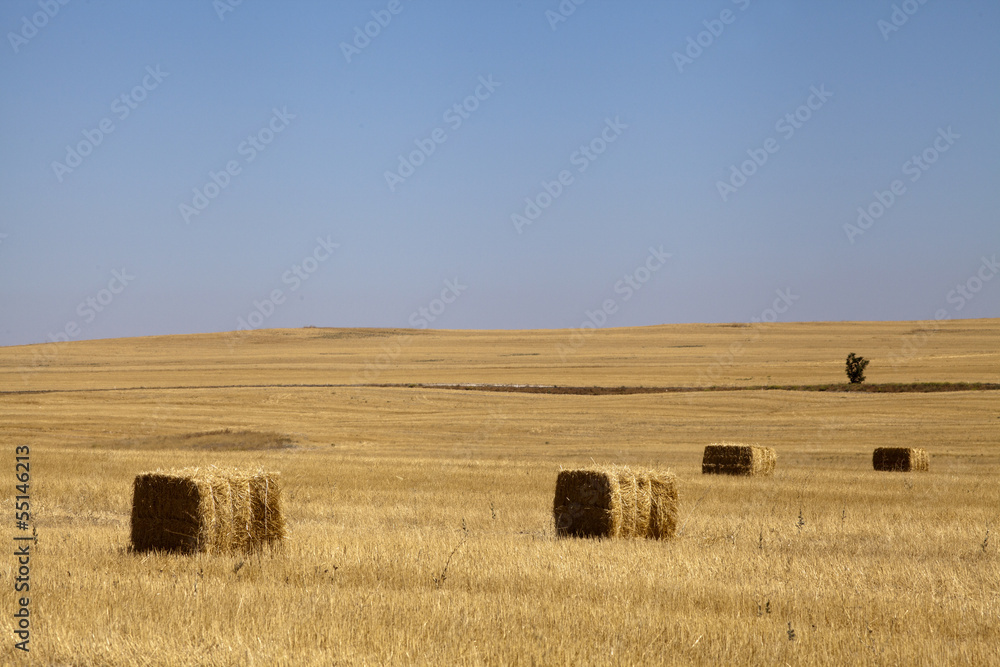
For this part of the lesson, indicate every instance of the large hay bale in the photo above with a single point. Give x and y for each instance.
(736, 459)
(901, 459)
(211, 510)
(615, 502)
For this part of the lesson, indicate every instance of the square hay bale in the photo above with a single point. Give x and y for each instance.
(211, 510)
(615, 501)
(736, 459)
(901, 459)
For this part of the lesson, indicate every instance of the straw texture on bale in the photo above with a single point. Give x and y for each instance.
(210, 510)
(615, 501)
(735, 459)
(902, 459)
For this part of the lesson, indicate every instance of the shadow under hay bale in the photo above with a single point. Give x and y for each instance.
(615, 502)
(733, 459)
(210, 510)
(900, 459)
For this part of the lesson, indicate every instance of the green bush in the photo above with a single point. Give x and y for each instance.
(856, 368)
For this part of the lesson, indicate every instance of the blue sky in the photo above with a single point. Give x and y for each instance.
(739, 138)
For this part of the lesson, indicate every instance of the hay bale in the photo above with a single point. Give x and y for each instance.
(210, 510)
(901, 459)
(736, 459)
(615, 502)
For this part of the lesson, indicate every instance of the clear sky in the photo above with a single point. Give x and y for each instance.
(178, 166)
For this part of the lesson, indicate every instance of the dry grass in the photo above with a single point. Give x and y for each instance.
(900, 459)
(217, 440)
(672, 355)
(737, 459)
(867, 568)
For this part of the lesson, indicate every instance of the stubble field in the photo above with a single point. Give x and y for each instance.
(420, 519)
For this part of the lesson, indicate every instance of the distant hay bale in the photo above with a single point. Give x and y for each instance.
(615, 501)
(211, 510)
(902, 459)
(735, 459)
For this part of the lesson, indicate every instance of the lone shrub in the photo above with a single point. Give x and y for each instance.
(856, 368)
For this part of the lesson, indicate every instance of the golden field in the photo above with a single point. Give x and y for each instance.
(420, 519)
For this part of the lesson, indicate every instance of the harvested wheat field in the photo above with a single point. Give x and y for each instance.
(419, 520)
